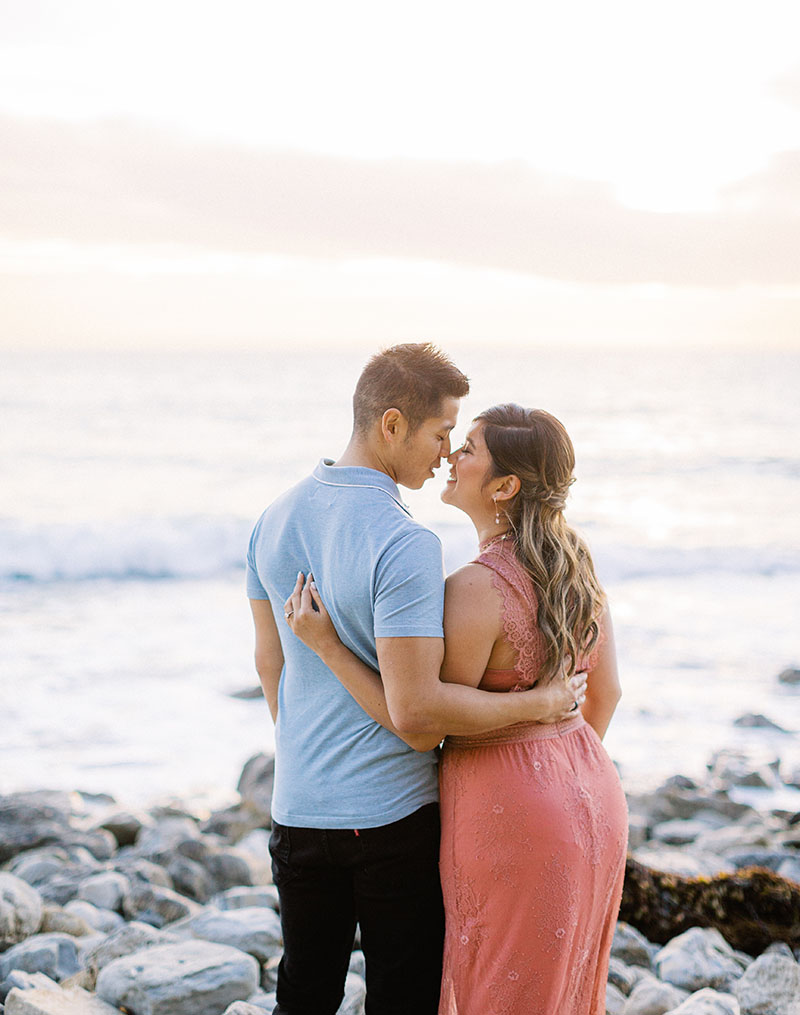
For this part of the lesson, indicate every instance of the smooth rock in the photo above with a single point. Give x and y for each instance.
(255, 785)
(130, 938)
(630, 946)
(59, 921)
(652, 997)
(770, 986)
(25, 981)
(622, 976)
(700, 957)
(162, 840)
(190, 878)
(355, 992)
(42, 1001)
(791, 675)
(708, 1002)
(125, 827)
(156, 905)
(243, 1008)
(753, 720)
(671, 860)
(677, 832)
(246, 896)
(190, 978)
(255, 930)
(103, 920)
(229, 869)
(615, 1000)
(55, 955)
(20, 910)
(105, 890)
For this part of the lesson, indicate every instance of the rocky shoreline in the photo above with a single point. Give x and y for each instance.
(170, 912)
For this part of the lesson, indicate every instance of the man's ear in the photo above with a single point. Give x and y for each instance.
(394, 426)
(508, 488)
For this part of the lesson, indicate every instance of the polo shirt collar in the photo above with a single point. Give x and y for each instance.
(350, 475)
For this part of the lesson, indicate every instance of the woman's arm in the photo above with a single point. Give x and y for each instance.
(410, 700)
(603, 690)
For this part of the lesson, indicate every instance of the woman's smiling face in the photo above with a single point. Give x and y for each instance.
(470, 467)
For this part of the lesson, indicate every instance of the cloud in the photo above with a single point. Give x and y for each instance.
(121, 182)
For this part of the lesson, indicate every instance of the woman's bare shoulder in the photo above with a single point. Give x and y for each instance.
(471, 588)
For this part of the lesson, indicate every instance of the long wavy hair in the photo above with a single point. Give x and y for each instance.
(533, 445)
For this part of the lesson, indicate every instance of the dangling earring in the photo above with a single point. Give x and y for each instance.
(496, 511)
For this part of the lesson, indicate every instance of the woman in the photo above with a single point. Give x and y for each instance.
(534, 823)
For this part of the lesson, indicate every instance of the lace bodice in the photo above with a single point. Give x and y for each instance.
(520, 610)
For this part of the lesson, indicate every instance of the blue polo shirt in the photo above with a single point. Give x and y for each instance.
(380, 575)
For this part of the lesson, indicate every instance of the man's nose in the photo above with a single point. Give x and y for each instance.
(445, 451)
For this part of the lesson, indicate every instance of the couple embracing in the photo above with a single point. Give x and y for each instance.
(484, 878)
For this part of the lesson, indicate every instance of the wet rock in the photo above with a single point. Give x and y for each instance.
(696, 959)
(190, 978)
(105, 890)
(630, 946)
(20, 910)
(708, 1002)
(652, 997)
(770, 986)
(55, 955)
(157, 906)
(256, 931)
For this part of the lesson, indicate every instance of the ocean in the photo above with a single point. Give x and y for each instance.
(129, 483)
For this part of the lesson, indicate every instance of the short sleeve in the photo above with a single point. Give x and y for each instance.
(255, 589)
(409, 587)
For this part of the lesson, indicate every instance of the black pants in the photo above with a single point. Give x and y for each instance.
(385, 879)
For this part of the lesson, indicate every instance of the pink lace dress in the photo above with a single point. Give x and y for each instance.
(534, 836)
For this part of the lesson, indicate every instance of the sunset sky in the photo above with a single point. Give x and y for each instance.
(197, 175)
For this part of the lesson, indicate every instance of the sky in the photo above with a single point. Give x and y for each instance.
(252, 174)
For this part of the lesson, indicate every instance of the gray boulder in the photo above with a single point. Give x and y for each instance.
(243, 1008)
(708, 1002)
(700, 957)
(162, 841)
(105, 890)
(615, 1000)
(791, 675)
(56, 920)
(55, 955)
(630, 946)
(190, 978)
(56, 1001)
(770, 986)
(622, 976)
(255, 930)
(157, 905)
(20, 910)
(255, 785)
(102, 920)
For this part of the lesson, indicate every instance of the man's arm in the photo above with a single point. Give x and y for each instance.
(268, 652)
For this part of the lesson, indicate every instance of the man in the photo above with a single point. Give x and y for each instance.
(355, 814)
